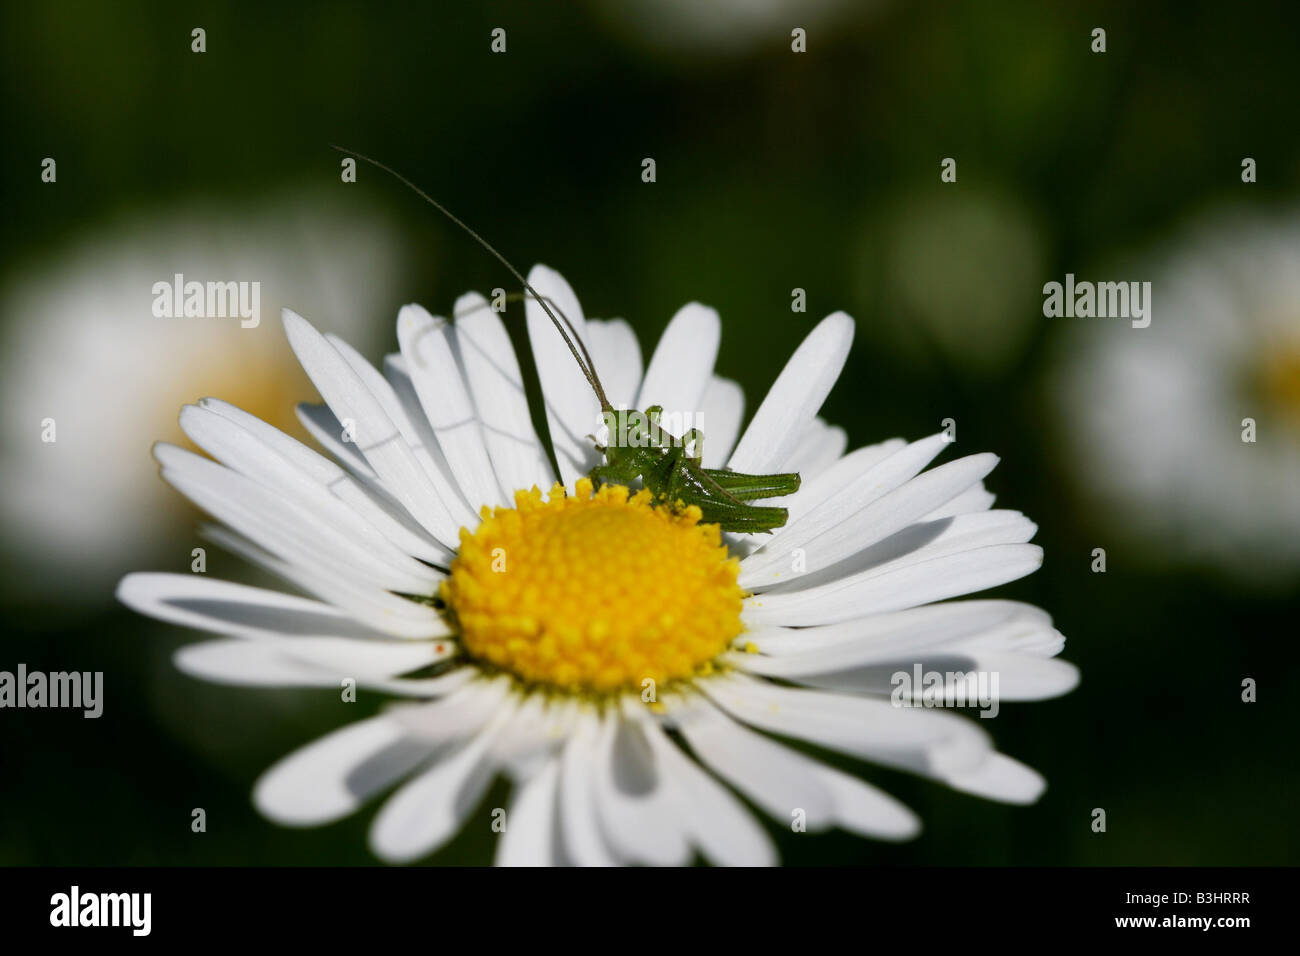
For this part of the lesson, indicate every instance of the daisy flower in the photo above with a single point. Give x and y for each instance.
(627, 667)
(1156, 417)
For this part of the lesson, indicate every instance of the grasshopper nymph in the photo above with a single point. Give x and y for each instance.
(637, 449)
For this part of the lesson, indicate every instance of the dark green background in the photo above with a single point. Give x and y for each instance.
(768, 166)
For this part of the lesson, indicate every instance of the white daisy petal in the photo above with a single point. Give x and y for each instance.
(895, 588)
(682, 364)
(333, 776)
(583, 841)
(572, 411)
(330, 433)
(973, 499)
(782, 781)
(918, 541)
(288, 527)
(393, 615)
(1018, 676)
(396, 394)
(424, 687)
(820, 488)
(617, 354)
(795, 398)
(637, 813)
(398, 391)
(539, 730)
(242, 451)
(777, 779)
(238, 610)
(319, 661)
(461, 713)
(378, 438)
(814, 492)
(718, 824)
(376, 508)
(243, 664)
(495, 381)
(429, 347)
(844, 526)
(280, 664)
(820, 447)
(839, 476)
(917, 629)
(924, 741)
(1001, 778)
(530, 834)
(722, 409)
(851, 484)
(427, 811)
(863, 809)
(1020, 637)
(1027, 677)
(301, 630)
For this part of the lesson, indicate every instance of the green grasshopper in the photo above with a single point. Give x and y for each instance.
(640, 449)
(636, 447)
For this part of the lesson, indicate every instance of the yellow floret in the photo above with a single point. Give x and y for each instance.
(595, 592)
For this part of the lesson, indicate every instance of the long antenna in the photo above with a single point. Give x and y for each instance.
(585, 364)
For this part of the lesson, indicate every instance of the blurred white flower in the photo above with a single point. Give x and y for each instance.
(1156, 416)
(719, 26)
(83, 348)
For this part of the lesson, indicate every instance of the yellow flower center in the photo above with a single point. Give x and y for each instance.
(595, 592)
(1279, 380)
